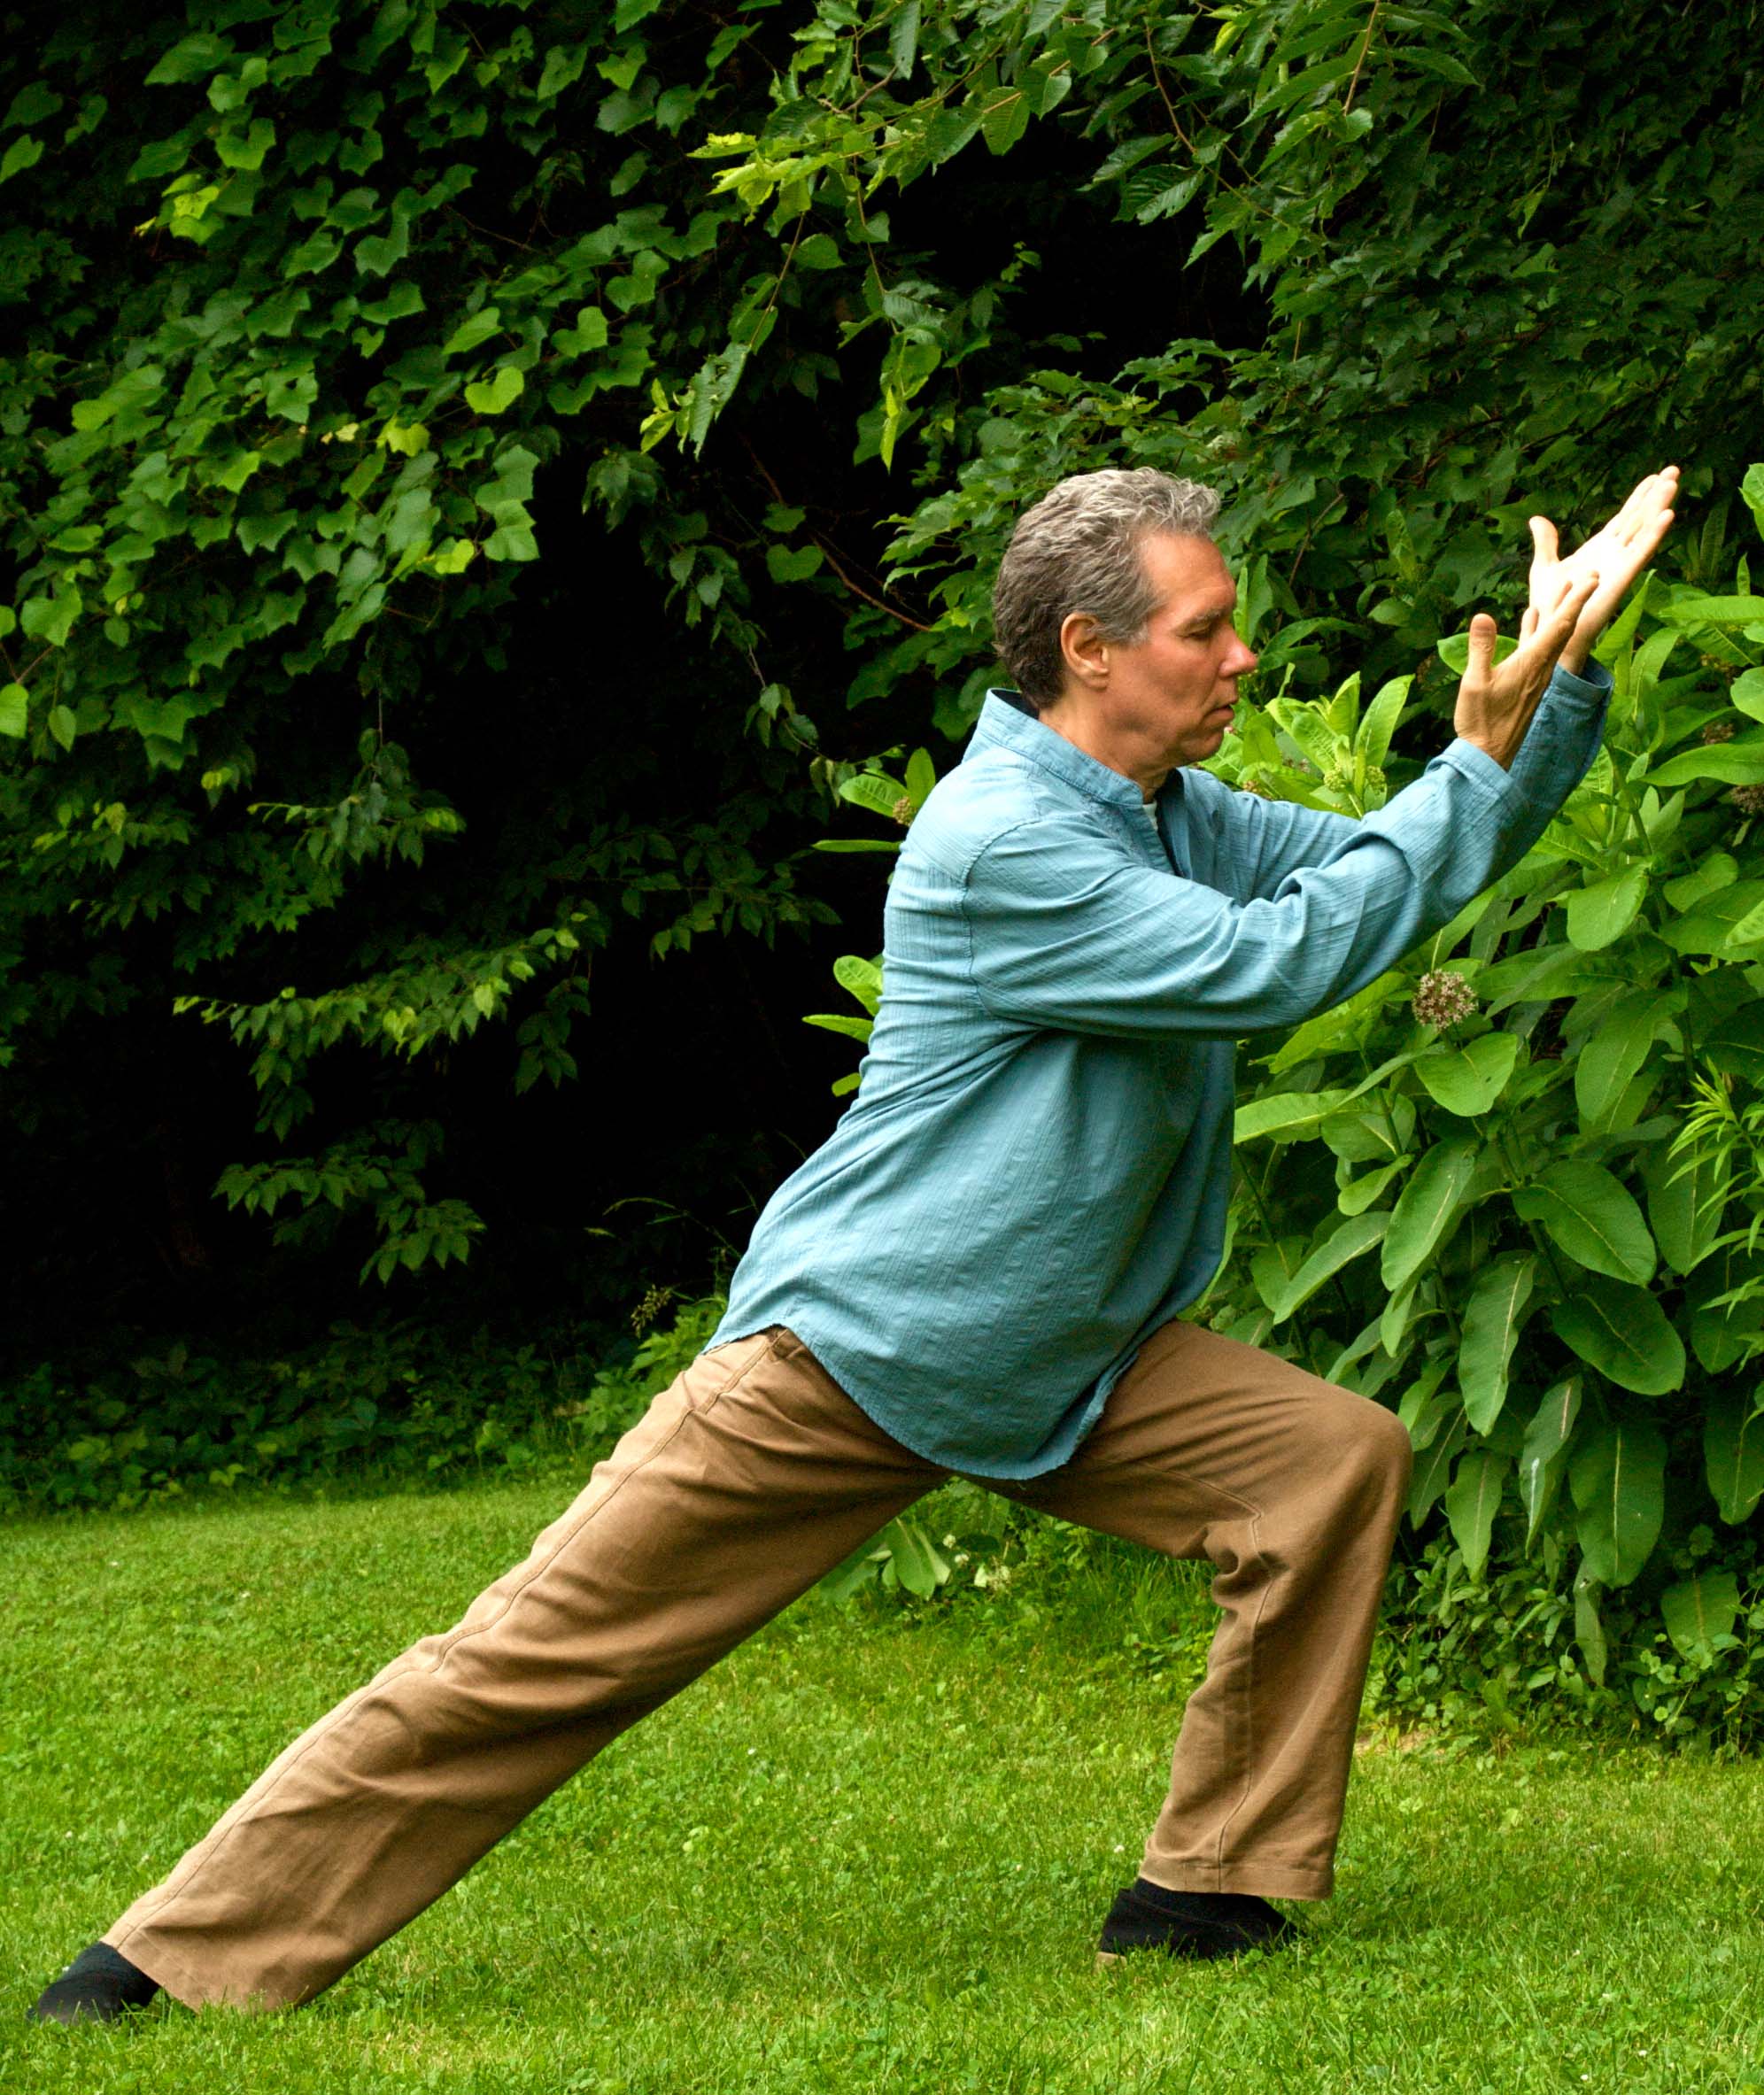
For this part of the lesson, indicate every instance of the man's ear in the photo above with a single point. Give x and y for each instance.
(1084, 649)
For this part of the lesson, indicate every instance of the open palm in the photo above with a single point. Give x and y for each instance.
(1616, 554)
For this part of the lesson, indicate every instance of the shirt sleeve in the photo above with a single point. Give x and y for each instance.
(1067, 930)
(1265, 841)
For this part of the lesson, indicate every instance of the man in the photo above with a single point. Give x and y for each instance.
(981, 1272)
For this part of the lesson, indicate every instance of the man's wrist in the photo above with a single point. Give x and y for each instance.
(1500, 752)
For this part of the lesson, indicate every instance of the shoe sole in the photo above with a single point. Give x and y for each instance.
(1107, 1959)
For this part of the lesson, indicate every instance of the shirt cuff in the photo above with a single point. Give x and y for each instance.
(1594, 683)
(1476, 763)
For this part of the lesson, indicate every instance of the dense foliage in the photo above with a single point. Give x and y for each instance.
(333, 722)
(479, 478)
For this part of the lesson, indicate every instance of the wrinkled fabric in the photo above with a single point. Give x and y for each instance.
(1035, 1174)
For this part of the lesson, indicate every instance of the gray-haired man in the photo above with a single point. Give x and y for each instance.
(982, 1272)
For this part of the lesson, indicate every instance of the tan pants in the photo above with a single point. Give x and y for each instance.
(745, 1482)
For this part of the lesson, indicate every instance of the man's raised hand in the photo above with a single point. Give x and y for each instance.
(1573, 598)
(1616, 554)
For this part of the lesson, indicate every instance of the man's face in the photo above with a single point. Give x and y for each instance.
(1171, 694)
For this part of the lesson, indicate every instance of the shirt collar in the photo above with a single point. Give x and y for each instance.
(1006, 719)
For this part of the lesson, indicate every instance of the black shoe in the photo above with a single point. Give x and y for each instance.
(99, 1986)
(1190, 1923)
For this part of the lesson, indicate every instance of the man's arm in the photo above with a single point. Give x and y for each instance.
(1265, 841)
(1066, 932)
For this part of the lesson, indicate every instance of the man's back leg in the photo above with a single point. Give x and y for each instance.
(748, 1479)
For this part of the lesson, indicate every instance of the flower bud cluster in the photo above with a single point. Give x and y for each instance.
(1442, 999)
(1748, 799)
(1718, 730)
(902, 810)
(654, 1300)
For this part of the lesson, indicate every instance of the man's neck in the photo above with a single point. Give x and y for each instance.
(1068, 719)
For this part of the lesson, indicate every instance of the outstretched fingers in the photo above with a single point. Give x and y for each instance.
(1556, 627)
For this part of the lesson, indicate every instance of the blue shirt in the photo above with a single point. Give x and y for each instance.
(1035, 1174)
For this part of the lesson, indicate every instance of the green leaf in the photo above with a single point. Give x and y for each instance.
(1424, 1406)
(1706, 928)
(903, 37)
(1371, 741)
(1468, 1080)
(1602, 913)
(469, 333)
(1425, 1207)
(63, 725)
(562, 68)
(512, 541)
(921, 777)
(1359, 1193)
(1590, 1631)
(1347, 1242)
(1623, 1332)
(1613, 1052)
(1619, 1483)
(1699, 1611)
(246, 149)
(784, 565)
(1708, 877)
(1004, 116)
(840, 1022)
(380, 253)
(194, 57)
(919, 1565)
(1433, 1467)
(862, 979)
(290, 394)
(1733, 1453)
(1684, 1204)
(1714, 610)
(1286, 1113)
(1493, 1318)
(1722, 1332)
(1471, 1504)
(24, 151)
(14, 710)
(712, 388)
(1592, 1216)
(1752, 494)
(1438, 63)
(492, 395)
(1540, 1458)
(1734, 763)
(51, 619)
(819, 250)
(1747, 692)
(875, 791)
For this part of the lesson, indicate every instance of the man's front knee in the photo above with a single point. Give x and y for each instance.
(1376, 1443)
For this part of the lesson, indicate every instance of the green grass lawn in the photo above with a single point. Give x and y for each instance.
(865, 1853)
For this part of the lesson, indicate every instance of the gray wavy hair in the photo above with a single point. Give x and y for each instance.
(1077, 549)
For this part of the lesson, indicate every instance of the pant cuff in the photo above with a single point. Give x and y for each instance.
(1263, 1879)
(177, 1979)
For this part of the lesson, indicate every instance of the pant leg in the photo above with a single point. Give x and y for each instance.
(745, 1482)
(1293, 1488)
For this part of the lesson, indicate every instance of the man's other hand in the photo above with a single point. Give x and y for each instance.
(1616, 554)
(1495, 700)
